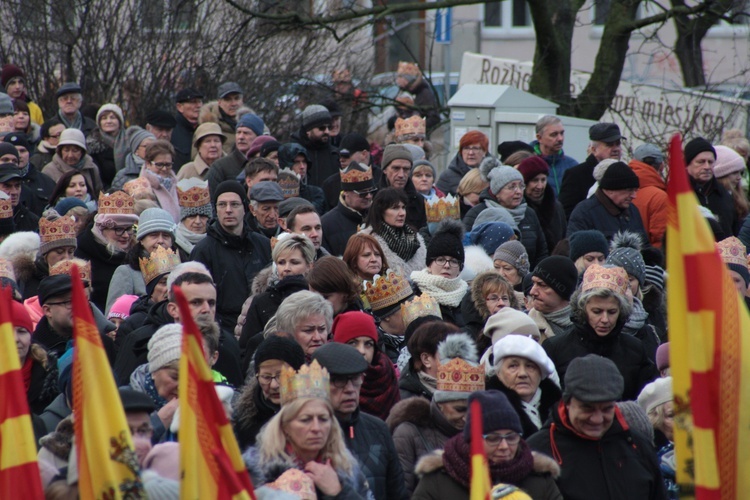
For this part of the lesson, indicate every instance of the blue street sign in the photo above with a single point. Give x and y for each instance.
(443, 19)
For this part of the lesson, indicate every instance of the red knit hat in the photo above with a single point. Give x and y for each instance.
(9, 72)
(531, 167)
(353, 324)
(21, 316)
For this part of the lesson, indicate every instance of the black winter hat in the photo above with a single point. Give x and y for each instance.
(619, 176)
(52, 286)
(559, 273)
(340, 359)
(135, 400)
(507, 148)
(354, 142)
(447, 241)
(162, 119)
(695, 147)
(497, 413)
(18, 139)
(230, 186)
(281, 348)
(589, 240)
(593, 379)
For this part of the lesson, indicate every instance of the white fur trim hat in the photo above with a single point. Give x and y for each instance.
(165, 346)
(523, 347)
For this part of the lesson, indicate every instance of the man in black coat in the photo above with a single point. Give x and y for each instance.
(397, 163)
(315, 136)
(37, 187)
(230, 166)
(11, 183)
(367, 437)
(189, 102)
(606, 142)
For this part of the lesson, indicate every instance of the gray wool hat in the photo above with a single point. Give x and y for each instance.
(497, 214)
(514, 253)
(502, 175)
(265, 191)
(6, 104)
(340, 359)
(648, 150)
(593, 379)
(631, 260)
(315, 115)
(396, 152)
(153, 220)
(136, 135)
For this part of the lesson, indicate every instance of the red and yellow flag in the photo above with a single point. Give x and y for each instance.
(709, 332)
(210, 462)
(107, 464)
(480, 485)
(19, 471)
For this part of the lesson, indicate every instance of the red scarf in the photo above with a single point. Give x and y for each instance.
(457, 462)
(380, 389)
(26, 371)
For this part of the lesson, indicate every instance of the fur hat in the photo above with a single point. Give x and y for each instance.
(476, 261)
(447, 240)
(626, 253)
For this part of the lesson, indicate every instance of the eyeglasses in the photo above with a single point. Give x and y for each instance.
(267, 379)
(119, 231)
(340, 382)
(495, 298)
(163, 165)
(441, 261)
(55, 136)
(234, 205)
(512, 438)
(365, 194)
(515, 186)
(474, 149)
(65, 303)
(323, 128)
(144, 430)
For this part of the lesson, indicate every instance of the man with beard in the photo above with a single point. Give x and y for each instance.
(188, 102)
(541, 197)
(314, 135)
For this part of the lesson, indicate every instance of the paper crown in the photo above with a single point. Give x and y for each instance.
(6, 269)
(408, 68)
(297, 483)
(613, 278)
(356, 176)
(419, 307)
(387, 291)
(193, 193)
(161, 261)
(311, 381)
(6, 209)
(117, 203)
(414, 125)
(732, 251)
(66, 267)
(289, 183)
(438, 209)
(137, 186)
(61, 228)
(457, 375)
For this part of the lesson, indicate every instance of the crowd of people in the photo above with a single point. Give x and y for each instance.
(353, 300)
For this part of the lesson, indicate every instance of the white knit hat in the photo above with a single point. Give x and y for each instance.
(165, 346)
(117, 110)
(523, 347)
(656, 393)
(72, 137)
(508, 320)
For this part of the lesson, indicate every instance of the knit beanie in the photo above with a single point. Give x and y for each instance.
(6, 148)
(9, 72)
(509, 321)
(420, 163)
(153, 220)
(457, 355)
(531, 167)
(66, 204)
(490, 236)
(587, 241)
(158, 487)
(230, 186)
(662, 356)
(121, 307)
(21, 316)
(728, 161)
(559, 273)
(164, 459)
(593, 379)
(315, 115)
(395, 152)
(18, 139)
(637, 419)
(497, 214)
(695, 147)
(281, 348)
(497, 413)
(619, 176)
(447, 241)
(656, 393)
(135, 136)
(514, 253)
(117, 110)
(417, 153)
(164, 347)
(354, 142)
(502, 175)
(626, 253)
(353, 324)
(251, 121)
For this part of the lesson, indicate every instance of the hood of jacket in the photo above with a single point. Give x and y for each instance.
(647, 175)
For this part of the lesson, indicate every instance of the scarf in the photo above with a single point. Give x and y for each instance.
(457, 461)
(401, 240)
(532, 408)
(637, 318)
(517, 213)
(76, 123)
(26, 371)
(142, 381)
(57, 159)
(23, 172)
(134, 163)
(559, 321)
(448, 292)
(165, 182)
(186, 239)
(380, 389)
(428, 381)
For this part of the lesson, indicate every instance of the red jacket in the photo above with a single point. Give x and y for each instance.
(651, 201)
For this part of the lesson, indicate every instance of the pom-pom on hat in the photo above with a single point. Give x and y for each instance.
(458, 373)
(447, 241)
(626, 253)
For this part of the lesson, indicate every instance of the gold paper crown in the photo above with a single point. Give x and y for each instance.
(613, 278)
(193, 193)
(161, 261)
(297, 483)
(387, 290)
(61, 228)
(457, 375)
(419, 307)
(408, 68)
(732, 251)
(6, 270)
(356, 172)
(66, 267)
(289, 183)
(442, 208)
(311, 381)
(137, 186)
(414, 125)
(117, 203)
(6, 209)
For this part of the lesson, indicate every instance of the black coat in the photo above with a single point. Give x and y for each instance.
(551, 216)
(621, 465)
(626, 351)
(323, 157)
(37, 188)
(233, 262)
(314, 195)
(599, 213)
(182, 140)
(138, 314)
(551, 395)
(25, 219)
(716, 198)
(251, 412)
(338, 226)
(43, 387)
(369, 440)
(56, 344)
(410, 386)
(103, 266)
(225, 168)
(332, 187)
(576, 184)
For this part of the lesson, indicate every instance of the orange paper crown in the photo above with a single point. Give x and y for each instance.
(419, 307)
(442, 208)
(311, 381)
(457, 375)
(388, 290)
(613, 278)
(161, 261)
(408, 68)
(6, 270)
(117, 203)
(414, 125)
(356, 172)
(59, 229)
(6, 209)
(193, 193)
(137, 186)
(66, 266)
(732, 251)
(289, 183)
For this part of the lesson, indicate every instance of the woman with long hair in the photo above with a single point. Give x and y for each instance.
(73, 185)
(331, 278)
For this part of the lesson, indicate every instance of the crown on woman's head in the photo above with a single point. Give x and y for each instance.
(311, 381)
(613, 278)
(419, 307)
(387, 290)
(117, 203)
(161, 261)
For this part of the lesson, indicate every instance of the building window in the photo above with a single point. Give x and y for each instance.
(508, 17)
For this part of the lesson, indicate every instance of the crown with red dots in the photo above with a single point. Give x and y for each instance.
(613, 278)
(414, 125)
(117, 203)
(458, 375)
(387, 291)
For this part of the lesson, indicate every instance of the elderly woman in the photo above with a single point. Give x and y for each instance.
(472, 148)
(511, 461)
(137, 140)
(656, 399)
(106, 143)
(260, 399)
(403, 248)
(420, 426)
(506, 191)
(307, 318)
(207, 141)
(489, 293)
(600, 308)
(157, 168)
(522, 370)
(71, 155)
(195, 212)
(331, 278)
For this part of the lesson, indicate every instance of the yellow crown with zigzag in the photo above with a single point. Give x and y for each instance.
(387, 290)
(419, 307)
(117, 203)
(438, 209)
(414, 125)
(311, 381)
(161, 261)
(66, 267)
(459, 376)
